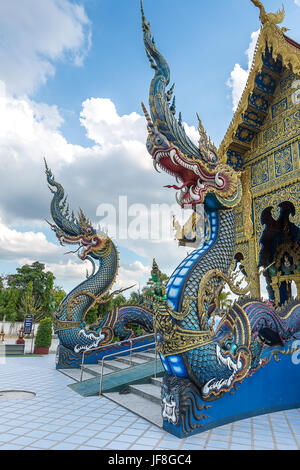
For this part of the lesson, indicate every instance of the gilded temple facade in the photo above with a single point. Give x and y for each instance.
(263, 143)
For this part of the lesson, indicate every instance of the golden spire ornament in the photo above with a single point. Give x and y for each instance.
(274, 18)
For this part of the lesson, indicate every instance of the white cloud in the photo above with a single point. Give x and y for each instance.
(36, 33)
(238, 77)
(15, 245)
(117, 164)
(192, 133)
(125, 133)
(297, 2)
(135, 274)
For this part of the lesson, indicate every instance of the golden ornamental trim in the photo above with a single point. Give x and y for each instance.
(206, 290)
(269, 153)
(274, 37)
(172, 339)
(59, 325)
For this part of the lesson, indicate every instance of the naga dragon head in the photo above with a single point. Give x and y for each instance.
(73, 230)
(201, 178)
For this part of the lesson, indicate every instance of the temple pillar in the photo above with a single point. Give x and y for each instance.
(254, 271)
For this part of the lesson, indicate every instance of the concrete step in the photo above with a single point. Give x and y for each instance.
(148, 355)
(134, 360)
(116, 365)
(75, 374)
(95, 369)
(11, 349)
(147, 409)
(149, 391)
(117, 380)
(157, 381)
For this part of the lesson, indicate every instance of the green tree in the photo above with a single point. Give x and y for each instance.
(134, 298)
(92, 316)
(119, 300)
(2, 296)
(58, 294)
(100, 311)
(10, 309)
(47, 295)
(2, 303)
(106, 307)
(29, 305)
(225, 300)
(42, 281)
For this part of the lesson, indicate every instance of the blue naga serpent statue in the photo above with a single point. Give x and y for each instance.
(199, 360)
(69, 323)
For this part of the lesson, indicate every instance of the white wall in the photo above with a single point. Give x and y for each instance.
(12, 329)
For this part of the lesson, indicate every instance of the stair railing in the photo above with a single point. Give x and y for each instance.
(119, 353)
(119, 343)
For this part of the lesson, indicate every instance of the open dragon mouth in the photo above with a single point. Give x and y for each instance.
(85, 245)
(195, 180)
(230, 371)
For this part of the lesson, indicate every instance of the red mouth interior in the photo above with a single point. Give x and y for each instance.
(188, 177)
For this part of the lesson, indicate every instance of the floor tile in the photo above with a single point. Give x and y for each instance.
(125, 438)
(118, 445)
(99, 443)
(44, 444)
(218, 444)
(65, 446)
(58, 419)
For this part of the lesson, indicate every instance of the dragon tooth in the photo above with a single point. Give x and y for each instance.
(155, 164)
(194, 196)
(172, 156)
(219, 181)
(178, 200)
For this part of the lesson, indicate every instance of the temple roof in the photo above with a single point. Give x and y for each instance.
(274, 52)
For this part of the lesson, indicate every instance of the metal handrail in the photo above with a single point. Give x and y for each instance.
(82, 361)
(119, 353)
(111, 344)
(118, 343)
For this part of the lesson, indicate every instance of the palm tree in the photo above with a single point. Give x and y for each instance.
(225, 300)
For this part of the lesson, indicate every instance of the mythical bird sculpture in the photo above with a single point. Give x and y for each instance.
(274, 18)
(199, 361)
(69, 323)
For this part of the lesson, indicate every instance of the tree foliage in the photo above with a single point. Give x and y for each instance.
(225, 300)
(30, 290)
(42, 281)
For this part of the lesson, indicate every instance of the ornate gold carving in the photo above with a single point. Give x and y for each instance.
(59, 325)
(170, 338)
(247, 204)
(205, 143)
(274, 37)
(207, 287)
(273, 18)
(276, 282)
(191, 231)
(260, 172)
(97, 299)
(246, 249)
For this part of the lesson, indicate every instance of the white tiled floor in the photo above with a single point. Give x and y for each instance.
(58, 418)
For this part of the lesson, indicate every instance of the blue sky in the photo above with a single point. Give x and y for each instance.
(201, 41)
(72, 80)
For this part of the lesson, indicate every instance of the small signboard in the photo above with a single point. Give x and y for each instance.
(28, 320)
